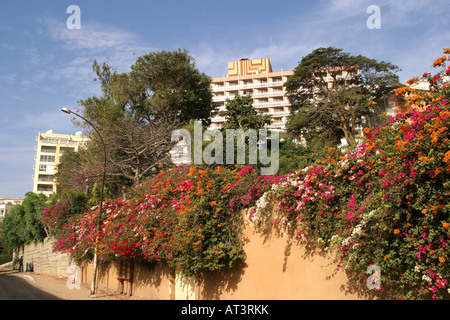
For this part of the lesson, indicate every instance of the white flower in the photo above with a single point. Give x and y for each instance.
(426, 278)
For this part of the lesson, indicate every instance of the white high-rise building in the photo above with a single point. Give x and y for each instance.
(49, 150)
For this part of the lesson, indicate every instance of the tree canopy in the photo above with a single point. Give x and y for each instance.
(331, 91)
(22, 225)
(240, 114)
(136, 115)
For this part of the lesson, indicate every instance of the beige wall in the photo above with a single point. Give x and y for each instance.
(275, 268)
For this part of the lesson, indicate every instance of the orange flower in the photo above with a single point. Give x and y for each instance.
(438, 62)
(424, 211)
(402, 90)
(441, 259)
(446, 225)
(412, 80)
(447, 156)
(191, 171)
(396, 231)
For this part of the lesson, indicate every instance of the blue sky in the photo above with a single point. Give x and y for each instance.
(44, 65)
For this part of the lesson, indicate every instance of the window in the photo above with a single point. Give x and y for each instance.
(46, 168)
(45, 189)
(46, 158)
(48, 150)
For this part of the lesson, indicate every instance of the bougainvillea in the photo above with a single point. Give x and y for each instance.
(383, 203)
(188, 217)
(386, 203)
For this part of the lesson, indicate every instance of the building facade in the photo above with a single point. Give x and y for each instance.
(255, 78)
(49, 150)
(7, 204)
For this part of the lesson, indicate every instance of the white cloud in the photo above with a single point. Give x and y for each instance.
(64, 63)
(105, 43)
(35, 122)
(8, 46)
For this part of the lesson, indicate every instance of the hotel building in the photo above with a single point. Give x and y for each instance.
(255, 78)
(49, 150)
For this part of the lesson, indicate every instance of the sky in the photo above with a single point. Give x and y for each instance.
(46, 60)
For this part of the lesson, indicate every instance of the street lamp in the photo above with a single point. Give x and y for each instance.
(94, 276)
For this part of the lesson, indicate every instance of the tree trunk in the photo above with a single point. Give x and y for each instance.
(349, 136)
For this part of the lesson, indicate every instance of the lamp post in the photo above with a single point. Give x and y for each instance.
(94, 276)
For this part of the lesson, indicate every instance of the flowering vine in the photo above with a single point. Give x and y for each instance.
(384, 203)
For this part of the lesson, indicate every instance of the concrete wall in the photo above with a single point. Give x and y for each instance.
(275, 268)
(44, 260)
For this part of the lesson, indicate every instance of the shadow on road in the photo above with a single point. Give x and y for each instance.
(13, 287)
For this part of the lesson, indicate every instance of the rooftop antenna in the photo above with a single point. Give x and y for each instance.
(270, 50)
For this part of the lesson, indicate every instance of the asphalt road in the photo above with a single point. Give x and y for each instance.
(14, 287)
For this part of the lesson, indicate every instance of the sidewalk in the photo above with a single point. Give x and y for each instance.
(57, 286)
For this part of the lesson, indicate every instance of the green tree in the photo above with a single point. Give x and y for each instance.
(13, 229)
(33, 206)
(240, 114)
(331, 91)
(22, 225)
(293, 155)
(160, 85)
(137, 113)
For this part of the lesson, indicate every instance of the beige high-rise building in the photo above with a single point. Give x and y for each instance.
(255, 78)
(49, 150)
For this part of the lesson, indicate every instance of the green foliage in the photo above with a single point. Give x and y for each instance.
(136, 115)
(170, 85)
(95, 197)
(292, 156)
(5, 258)
(240, 114)
(13, 229)
(22, 225)
(33, 206)
(330, 93)
(383, 203)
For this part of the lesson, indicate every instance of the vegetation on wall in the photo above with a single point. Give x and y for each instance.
(384, 203)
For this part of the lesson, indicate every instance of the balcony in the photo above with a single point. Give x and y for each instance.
(272, 104)
(234, 86)
(45, 189)
(46, 179)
